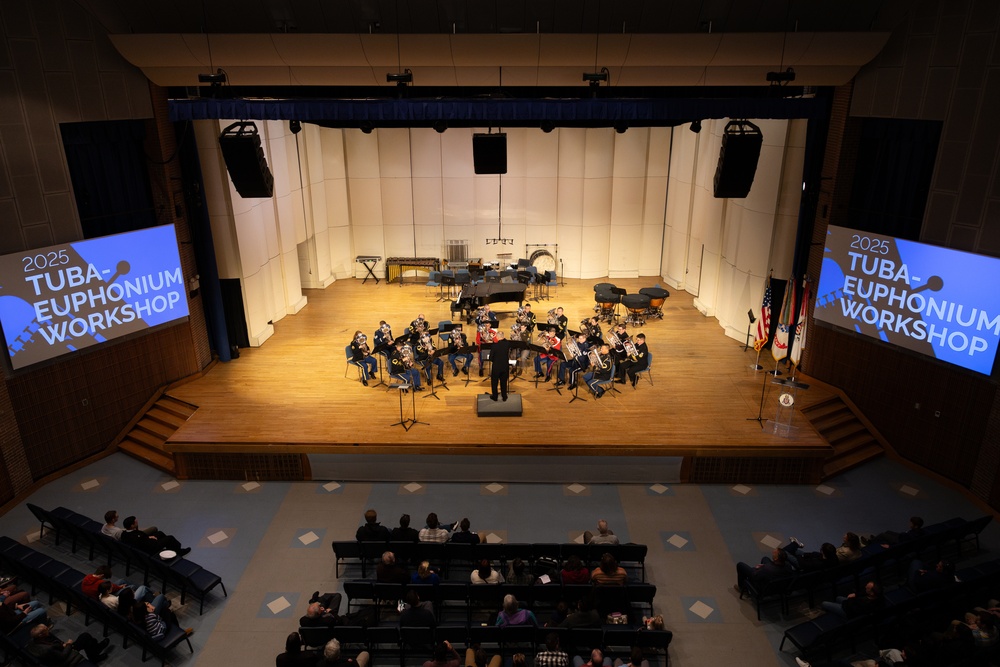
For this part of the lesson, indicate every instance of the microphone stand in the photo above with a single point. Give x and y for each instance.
(760, 411)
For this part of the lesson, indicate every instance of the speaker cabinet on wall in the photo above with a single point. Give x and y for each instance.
(245, 160)
(489, 153)
(741, 142)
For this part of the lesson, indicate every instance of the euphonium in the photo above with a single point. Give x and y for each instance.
(427, 343)
(515, 332)
(572, 349)
(387, 333)
(613, 339)
(630, 349)
(407, 353)
(546, 342)
(362, 341)
(585, 327)
(521, 314)
(595, 359)
(553, 318)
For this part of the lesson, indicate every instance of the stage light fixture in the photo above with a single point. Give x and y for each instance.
(781, 78)
(621, 128)
(295, 126)
(695, 126)
(547, 126)
(400, 78)
(440, 126)
(216, 79)
(595, 78)
(366, 127)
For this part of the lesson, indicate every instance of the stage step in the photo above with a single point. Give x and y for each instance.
(852, 442)
(151, 431)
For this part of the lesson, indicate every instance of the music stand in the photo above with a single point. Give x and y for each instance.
(518, 346)
(444, 383)
(385, 357)
(575, 379)
(402, 422)
(484, 358)
(449, 282)
(413, 406)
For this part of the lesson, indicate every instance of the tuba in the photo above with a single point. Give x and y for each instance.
(362, 341)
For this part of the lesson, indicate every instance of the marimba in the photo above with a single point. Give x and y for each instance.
(395, 267)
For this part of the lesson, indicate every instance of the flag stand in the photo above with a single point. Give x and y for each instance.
(756, 365)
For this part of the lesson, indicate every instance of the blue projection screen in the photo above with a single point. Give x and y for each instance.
(936, 301)
(72, 296)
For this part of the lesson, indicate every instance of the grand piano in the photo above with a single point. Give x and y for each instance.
(474, 296)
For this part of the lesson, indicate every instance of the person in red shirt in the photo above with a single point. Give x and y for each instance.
(575, 572)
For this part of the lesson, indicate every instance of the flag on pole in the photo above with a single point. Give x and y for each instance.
(779, 347)
(764, 321)
(799, 343)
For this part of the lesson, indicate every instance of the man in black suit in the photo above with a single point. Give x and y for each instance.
(371, 530)
(500, 366)
(153, 543)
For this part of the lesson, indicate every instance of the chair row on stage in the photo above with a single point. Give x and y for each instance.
(62, 582)
(449, 283)
(186, 576)
(412, 645)
(632, 557)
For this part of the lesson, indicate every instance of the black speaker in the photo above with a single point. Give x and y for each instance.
(741, 142)
(245, 160)
(489, 153)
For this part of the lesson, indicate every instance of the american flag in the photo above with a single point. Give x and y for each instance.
(764, 321)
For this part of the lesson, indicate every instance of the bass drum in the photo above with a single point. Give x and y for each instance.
(543, 260)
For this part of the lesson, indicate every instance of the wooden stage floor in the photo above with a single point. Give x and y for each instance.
(290, 395)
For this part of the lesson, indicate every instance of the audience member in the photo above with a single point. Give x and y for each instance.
(763, 574)
(855, 605)
(604, 536)
(811, 561)
(464, 535)
(608, 573)
(583, 616)
(156, 623)
(391, 572)
(553, 655)
(889, 538)
(27, 614)
(921, 579)
(323, 611)
(403, 533)
(433, 532)
(636, 659)
(111, 529)
(417, 614)
(425, 575)
(48, 649)
(574, 571)
(886, 658)
(512, 614)
(519, 574)
(102, 574)
(444, 656)
(294, 656)
(152, 543)
(475, 656)
(485, 574)
(371, 530)
(332, 657)
(652, 623)
(850, 549)
(597, 659)
(11, 595)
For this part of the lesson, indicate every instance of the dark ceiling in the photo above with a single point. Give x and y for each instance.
(494, 16)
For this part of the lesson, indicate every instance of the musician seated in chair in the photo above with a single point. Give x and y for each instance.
(617, 339)
(526, 317)
(579, 362)
(457, 342)
(600, 370)
(552, 346)
(424, 350)
(416, 329)
(562, 322)
(361, 356)
(383, 338)
(401, 365)
(594, 333)
(638, 361)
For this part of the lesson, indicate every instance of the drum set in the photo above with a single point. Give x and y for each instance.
(648, 303)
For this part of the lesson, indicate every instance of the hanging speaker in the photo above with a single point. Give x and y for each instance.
(245, 160)
(489, 153)
(741, 142)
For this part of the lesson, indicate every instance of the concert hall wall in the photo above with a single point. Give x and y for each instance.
(60, 68)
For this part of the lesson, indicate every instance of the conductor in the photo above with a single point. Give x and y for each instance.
(499, 368)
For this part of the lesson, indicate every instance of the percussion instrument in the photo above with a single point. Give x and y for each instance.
(636, 304)
(606, 302)
(657, 295)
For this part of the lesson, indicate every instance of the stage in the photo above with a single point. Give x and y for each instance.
(266, 412)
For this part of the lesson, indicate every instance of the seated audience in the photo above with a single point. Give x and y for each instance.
(433, 532)
(890, 538)
(604, 536)
(417, 614)
(810, 561)
(652, 623)
(583, 616)
(48, 649)
(922, 579)
(476, 657)
(323, 611)
(11, 595)
(152, 543)
(391, 572)
(553, 655)
(608, 573)
(761, 575)
(597, 659)
(850, 549)
(102, 575)
(855, 605)
(636, 659)
(519, 574)
(574, 571)
(425, 575)
(371, 530)
(156, 623)
(403, 533)
(444, 656)
(512, 614)
(464, 535)
(294, 656)
(332, 656)
(26, 614)
(485, 574)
